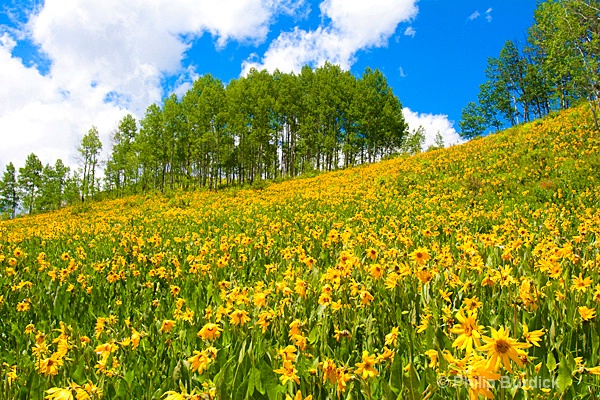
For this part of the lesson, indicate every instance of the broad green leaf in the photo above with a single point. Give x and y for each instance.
(550, 362)
(129, 376)
(254, 382)
(564, 375)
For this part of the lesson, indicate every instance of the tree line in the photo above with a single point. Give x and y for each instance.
(558, 65)
(38, 188)
(258, 127)
(261, 126)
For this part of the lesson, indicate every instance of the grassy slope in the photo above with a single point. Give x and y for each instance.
(508, 219)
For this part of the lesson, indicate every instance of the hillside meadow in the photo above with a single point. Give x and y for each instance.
(467, 272)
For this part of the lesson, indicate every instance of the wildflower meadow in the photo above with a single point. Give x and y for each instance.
(466, 272)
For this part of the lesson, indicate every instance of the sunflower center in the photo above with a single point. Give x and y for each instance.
(468, 329)
(502, 346)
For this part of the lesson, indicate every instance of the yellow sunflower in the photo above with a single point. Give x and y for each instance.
(468, 330)
(501, 348)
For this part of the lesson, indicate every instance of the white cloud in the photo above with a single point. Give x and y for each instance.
(474, 15)
(122, 49)
(410, 31)
(128, 45)
(109, 49)
(432, 124)
(402, 73)
(18, 81)
(488, 14)
(349, 26)
(292, 50)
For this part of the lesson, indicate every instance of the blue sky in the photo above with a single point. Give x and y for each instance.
(68, 65)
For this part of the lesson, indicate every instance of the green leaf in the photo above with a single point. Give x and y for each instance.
(251, 383)
(129, 377)
(517, 393)
(595, 340)
(412, 383)
(550, 362)
(209, 291)
(386, 390)
(314, 334)
(564, 375)
(429, 334)
(240, 388)
(122, 389)
(223, 380)
(396, 376)
(177, 373)
(271, 381)
(79, 374)
(552, 332)
(255, 377)
(34, 383)
(242, 353)
(320, 311)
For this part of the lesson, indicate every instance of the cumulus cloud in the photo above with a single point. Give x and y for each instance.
(410, 31)
(107, 58)
(348, 26)
(128, 45)
(432, 124)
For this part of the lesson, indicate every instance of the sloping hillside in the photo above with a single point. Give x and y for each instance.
(472, 269)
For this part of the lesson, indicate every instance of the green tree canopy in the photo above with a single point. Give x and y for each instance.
(9, 191)
(89, 152)
(558, 66)
(30, 181)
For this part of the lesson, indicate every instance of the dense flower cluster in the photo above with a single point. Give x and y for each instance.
(476, 262)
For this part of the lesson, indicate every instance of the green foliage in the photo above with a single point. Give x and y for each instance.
(89, 151)
(414, 141)
(52, 190)
(37, 188)
(558, 66)
(122, 167)
(508, 223)
(472, 122)
(264, 126)
(9, 192)
(30, 181)
(261, 126)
